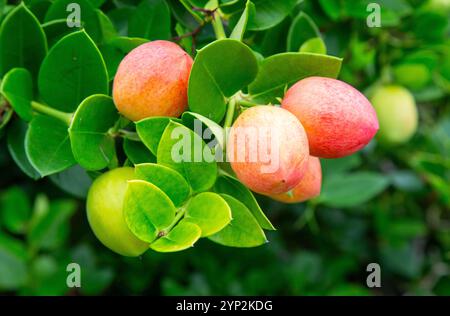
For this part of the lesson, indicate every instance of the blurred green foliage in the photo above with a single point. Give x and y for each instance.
(388, 205)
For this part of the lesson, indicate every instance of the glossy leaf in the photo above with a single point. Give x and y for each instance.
(90, 20)
(352, 189)
(150, 20)
(17, 88)
(231, 186)
(270, 13)
(181, 237)
(314, 45)
(243, 230)
(302, 29)
(16, 147)
(168, 180)
(73, 70)
(200, 125)
(241, 25)
(209, 211)
(280, 71)
(184, 151)
(57, 29)
(220, 69)
(150, 131)
(147, 210)
(136, 152)
(74, 181)
(48, 148)
(22, 41)
(93, 146)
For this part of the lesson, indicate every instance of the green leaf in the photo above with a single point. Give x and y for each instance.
(13, 263)
(108, 32)
(16, 209)
(22, 41)
(191, 120)
(184, 151)
(220, 69)
(150, 20)
(168, 180)
(73, 70)
(90, 19)
(332, 167)
(232, 6)
(57, 29)
(314, 45)
(136, 152)
(147, 210)
(349, 190)
(209, 211)
(185, 15)
(269, 13)
(243, 230)
(150, 131)
(48, 149)
(93, 146)
(74, 180)
(38, 7)
(282, 70)
(50, 227)
(302, 29)
(231, 186)
(241, 25)
(16, 147)
(273, 41)
(17, 88)
(183, 236)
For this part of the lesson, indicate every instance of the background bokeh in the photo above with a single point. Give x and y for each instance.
(387, 204)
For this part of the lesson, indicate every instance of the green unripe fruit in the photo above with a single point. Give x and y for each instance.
(397, 114)
(105, 213)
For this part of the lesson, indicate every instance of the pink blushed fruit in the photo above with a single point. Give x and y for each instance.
(308, 188)
(268, 149)
(338, 119)
(152, 80)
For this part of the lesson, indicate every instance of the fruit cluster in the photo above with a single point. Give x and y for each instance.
(318, 118)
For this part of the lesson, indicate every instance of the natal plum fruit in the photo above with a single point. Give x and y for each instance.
(105, 213)
(338, 119)
(152, 80)
(397, 113)
(268, 149)
(308, 188)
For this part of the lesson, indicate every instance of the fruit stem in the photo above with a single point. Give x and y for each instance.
(128, 135)
(175, 221)
(44, 109)
(230, 113)
(247, 104)
(218, 26)
(189, 9)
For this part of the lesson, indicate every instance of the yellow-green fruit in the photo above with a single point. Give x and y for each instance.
(105, 213)
(397, 114)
